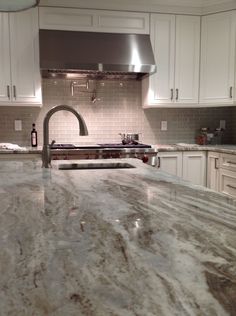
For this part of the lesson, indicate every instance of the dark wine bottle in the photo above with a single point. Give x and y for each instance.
(34, 137)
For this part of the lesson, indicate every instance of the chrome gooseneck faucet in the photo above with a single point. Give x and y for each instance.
(46, 154)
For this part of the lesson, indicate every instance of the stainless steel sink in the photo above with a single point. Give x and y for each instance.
(95, 165)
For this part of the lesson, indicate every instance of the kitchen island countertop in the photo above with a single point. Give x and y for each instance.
(224, 148)
(124, 242)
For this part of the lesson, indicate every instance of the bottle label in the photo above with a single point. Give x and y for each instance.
(34, 139)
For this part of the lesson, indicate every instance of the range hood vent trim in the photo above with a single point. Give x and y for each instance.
(95, 54)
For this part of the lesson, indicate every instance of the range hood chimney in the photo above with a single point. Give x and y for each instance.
(71, 53)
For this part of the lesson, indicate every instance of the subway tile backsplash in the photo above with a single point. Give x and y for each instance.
(117, 110)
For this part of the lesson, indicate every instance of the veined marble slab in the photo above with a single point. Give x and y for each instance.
(230, 149)
(130, 242)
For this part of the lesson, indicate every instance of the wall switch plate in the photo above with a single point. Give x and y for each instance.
(222, 124)
(163, 125)
(18, 125)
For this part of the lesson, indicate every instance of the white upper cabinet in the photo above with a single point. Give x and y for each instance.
(187, 54)
(20, 81)
(218, 59)
(162, 35)
(5, 77)
(93, 20)
(176, 45)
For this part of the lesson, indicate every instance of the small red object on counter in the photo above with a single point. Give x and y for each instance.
(201, 140)
(145, 159)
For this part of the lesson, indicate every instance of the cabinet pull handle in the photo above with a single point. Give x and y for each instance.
(216, 163)
(231, 92)
(14, 91)
(159, 162)
(177, 94)
(171, 94)
(8, 92)
(231, 162)
(231, 186)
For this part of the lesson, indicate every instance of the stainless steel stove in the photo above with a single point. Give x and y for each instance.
(104, 151)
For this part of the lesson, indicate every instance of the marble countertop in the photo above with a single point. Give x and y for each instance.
(122, 242)
(225, 148)
(230, 149)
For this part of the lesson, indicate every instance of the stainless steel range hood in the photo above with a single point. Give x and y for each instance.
(104, 55)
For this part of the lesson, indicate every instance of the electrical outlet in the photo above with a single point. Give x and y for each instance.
(222, 124)
(18, 125)
(163, 125)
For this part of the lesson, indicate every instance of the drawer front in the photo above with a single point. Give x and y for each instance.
(228, 162)
(228, 182)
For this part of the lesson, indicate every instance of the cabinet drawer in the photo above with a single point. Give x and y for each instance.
(228, 162)
(228, 182)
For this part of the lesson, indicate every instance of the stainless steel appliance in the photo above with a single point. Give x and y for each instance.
(97, 55)
(105, 151)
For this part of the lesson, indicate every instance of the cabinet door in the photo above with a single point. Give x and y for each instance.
(176, 46)
(187, 59)
(170, 162)
(161, 84)
(213, 171)
(72, 19)
(24, 42)
(228, 182)
(217, 58)
(194, 167)
(5, 78)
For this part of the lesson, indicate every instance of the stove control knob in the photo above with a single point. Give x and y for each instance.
(145, 159)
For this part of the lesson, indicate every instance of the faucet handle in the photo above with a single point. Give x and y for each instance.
(52, 143)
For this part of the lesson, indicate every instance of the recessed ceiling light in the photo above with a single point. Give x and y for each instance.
(17, 5)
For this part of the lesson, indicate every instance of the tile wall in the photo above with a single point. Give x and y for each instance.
(117, 110)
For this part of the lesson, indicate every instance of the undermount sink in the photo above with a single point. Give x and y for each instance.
(94, 165)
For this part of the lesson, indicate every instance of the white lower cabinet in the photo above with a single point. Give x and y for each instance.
(221, 173)
(194, 167)
(228, 182)
(227, 174)
(170, 162)
(189, 165)
(215, 170)
(213, 176)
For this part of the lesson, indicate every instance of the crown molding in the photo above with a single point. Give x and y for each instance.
(197, 7)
